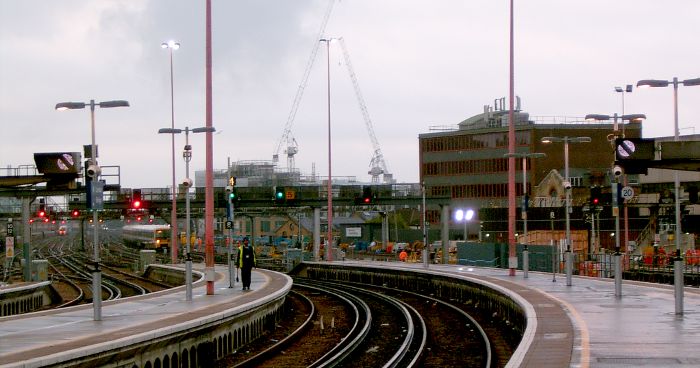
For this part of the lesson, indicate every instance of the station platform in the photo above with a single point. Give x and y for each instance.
(35, 339)
(639, 329)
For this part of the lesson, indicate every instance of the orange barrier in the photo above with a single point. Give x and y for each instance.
(588, 268)
(692, 257)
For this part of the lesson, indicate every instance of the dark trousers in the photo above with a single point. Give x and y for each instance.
(245, 276)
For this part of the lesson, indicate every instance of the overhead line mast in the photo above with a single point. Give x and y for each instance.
(292, 149)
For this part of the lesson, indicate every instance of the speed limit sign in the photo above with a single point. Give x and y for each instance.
(627, 192)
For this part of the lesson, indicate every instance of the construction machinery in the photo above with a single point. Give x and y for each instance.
(292, 146)
(377, 164)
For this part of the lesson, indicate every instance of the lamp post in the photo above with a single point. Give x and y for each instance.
(187, 155)
(678, 262)
(96, 275)
(466, 216)
(425, 228)
(627, 89)
(567, 185)
(329, 238)
(525, 156)
(171, 46)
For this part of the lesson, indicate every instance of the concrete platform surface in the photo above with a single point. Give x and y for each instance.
(31, 335)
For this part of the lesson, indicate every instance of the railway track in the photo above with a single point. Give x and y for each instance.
(342, 325)
(71, 272)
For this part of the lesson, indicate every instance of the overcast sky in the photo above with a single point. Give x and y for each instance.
(419, 63)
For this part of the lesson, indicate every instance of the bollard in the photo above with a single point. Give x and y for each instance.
(618, 276)
(526, 262)
(569, 265)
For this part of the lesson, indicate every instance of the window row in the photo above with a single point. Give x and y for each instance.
(473, 141)
(475, 190)
(468, 167)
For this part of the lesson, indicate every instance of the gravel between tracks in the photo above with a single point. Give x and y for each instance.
(311, 346)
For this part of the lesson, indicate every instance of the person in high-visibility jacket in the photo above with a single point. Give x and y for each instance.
(403, 255)
(246, 262)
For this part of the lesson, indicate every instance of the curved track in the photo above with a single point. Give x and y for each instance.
(379, 327)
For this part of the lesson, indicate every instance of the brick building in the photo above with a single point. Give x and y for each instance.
(467, 163)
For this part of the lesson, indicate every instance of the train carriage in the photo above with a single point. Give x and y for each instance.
(147, 236)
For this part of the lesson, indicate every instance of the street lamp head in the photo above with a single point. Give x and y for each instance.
(170, 45)
(565, 139)
(628, 88)
(644, 83)
(114, 103)
(61, 106)
(634, 118)
(169, 131)
(619, 89)
(469, 215)
(692, 82)
(597, 117)
(203, 130)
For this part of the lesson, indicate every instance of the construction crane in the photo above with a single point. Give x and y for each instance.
(292, 146)
(377, 164)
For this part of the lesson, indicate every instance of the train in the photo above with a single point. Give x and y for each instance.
(147, 236)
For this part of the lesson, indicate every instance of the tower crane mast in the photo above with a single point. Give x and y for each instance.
(377, 163)
(291, 142)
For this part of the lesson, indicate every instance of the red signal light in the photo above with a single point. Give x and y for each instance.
(595, 200)
(366, 200)
(75, 213)
(42, 213)
(136, 204)
(46, 220)
(138, 218)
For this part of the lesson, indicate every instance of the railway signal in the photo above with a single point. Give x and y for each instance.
(279, 195)
(42, 208)
(136, 202)
(634, 154)
(367, 198)
(75, 213)
(233, 196)
(596, 193)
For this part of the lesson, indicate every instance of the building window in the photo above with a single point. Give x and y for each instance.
(473, 141)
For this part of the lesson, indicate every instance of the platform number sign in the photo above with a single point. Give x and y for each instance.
(627, 192)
